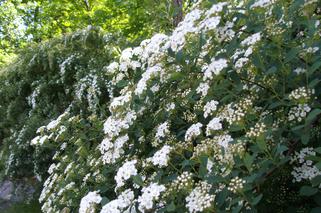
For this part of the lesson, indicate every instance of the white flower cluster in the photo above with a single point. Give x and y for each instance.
(39, 140)
(150, 194)
(199, 199)
(148, 75)
(32, 98)
(112, 68)
(210, 107)
(53, 124)
(214, 124)
(127, 170)
(123, 201)
(262, 3)
(235, 112)
(87, 203)
(224, 140)
(113, 126)
(162, 131)
(215, 67)
(299, 112)
(161, 157)
(301, 93)
(193, 131)
(112, 151)
(203, 89)
(306, 170)
(120, 101)
(67, 62)
(183, 181)
(257, 130)
(236, 185)
(251, 40)
(299, 70)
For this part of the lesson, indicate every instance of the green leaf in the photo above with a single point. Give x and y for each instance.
(318, 165)
(313, 83)
(308, 191)
(276, 104)
(314, 67)
(281, 148)
(203, 169)
(256, 200)
(271, 70)
(248, 161)
(297, 128)
(316, 181)
(316, 210)
(104, 201)
(171, 207)
(138, 180)
(261, 143)
(318, 150)
(312, 115)
(305, 138)
(236, 127)
(317, 198)
(292, 54)
(177, 76)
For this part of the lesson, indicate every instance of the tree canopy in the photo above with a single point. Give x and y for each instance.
(31, 21)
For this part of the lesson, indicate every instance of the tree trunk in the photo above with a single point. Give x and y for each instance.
(178, 14)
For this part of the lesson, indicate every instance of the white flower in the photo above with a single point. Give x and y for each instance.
(216, 8)
(215, 68)
(209, 165)
(113, 126)
(299, 112)
(38, 140)
(112, 68)
(112, 151)
(305, 169)
(209, 108)
(262, 3)
(193, 131)
(210, 23)
(203, 89)
(162, 131)
(120, 101)
(123, 201)
(299, 70)
(199, 199)
(53, 124)
(127, 170)
(214, 124)
(149, 195)
(149, 74)
(87, 203)
(224, 140)
(161, 157)
(251, 40)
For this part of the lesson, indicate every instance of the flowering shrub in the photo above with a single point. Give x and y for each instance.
(222, 115)
(40, 86)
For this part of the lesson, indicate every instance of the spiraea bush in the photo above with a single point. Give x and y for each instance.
(222, 115)
(46, 80)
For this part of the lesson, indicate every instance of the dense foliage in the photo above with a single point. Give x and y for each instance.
(38, 87)
(221, 115)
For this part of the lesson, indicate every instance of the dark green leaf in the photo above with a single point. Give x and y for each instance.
(138, 180)
(308, 191)
(312, 115)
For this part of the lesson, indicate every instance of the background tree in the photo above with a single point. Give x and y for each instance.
(32, 21)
